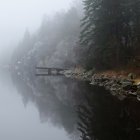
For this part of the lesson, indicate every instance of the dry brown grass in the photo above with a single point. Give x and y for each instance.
(122, 72)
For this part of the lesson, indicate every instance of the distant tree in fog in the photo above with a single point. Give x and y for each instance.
(54, 42)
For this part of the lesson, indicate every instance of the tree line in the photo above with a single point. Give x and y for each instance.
(107, 37)
(53, 44)
(110, 33)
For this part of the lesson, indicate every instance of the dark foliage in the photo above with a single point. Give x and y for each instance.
(110, 32)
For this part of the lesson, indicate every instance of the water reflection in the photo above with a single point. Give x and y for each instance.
(18, 122)
(54, 98)
(103, 117)
(83, 111)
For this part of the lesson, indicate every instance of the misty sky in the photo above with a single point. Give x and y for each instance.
(17, 15)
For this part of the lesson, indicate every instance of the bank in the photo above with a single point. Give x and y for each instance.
(121, 84)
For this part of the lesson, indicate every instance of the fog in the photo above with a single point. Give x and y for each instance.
(18, 122)
(20, 22)
(18, 15)
(46, 47)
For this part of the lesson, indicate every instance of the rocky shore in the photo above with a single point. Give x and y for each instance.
(120, 86)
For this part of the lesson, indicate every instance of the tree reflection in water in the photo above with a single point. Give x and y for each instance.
(80, 108)
(103, 117)
(55, 99)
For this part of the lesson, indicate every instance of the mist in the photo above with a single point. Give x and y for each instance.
(35, 33)
(69, 69)
(18, 15)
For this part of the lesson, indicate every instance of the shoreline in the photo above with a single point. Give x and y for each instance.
(120, 86)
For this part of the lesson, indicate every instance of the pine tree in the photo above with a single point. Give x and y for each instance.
(110, 29)
(100, 28)
(88, 30)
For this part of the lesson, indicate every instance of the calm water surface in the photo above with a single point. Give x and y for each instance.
(52, 108)
(19, 121)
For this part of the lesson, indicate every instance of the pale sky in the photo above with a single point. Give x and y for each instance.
(17, 15)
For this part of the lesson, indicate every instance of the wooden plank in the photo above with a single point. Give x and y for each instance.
(48, 74)
(60, 69)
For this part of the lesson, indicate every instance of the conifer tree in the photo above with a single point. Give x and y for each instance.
(110, 29)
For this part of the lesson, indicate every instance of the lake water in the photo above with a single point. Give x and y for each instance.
(56, 108)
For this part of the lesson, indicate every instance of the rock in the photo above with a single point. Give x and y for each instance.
(131, 76)
(101, 84)
(132, 93)
(111, 82)
(126, 85)
(138, 85)
(112, 89)
(108, 87)
(90, 73)
(114, 93)
(138, 98)
(93, 83)
(130, 88)
(104, 79)
(115, 85)
(68, 72)
(118, 86)
(133, 88)
(123, 80)
(138, 92)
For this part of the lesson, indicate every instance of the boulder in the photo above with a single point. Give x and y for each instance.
(131, 76)
(138, 92)
(93, 83)
(138, 98)
(90, 73)
(126, 84)
(68, 72)
(132, 93)
(138, 85)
